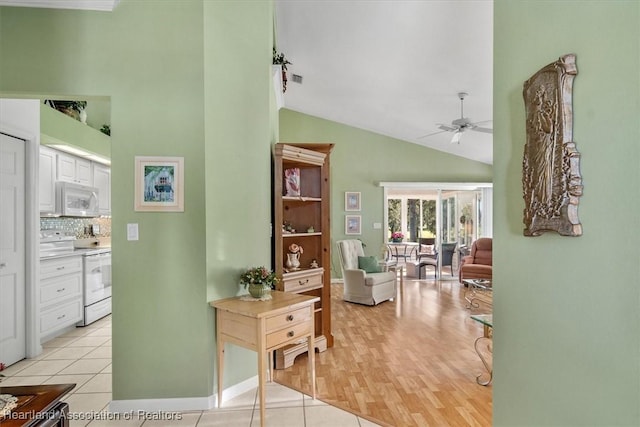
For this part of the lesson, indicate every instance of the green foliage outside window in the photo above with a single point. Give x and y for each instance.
(428, 218)
(394, 216)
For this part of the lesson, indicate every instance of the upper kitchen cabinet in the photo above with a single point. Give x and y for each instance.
(102, 181)
(47, 180)
(72, 151)
(74, 169)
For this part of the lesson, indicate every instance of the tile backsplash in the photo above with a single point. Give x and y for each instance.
(78, 227)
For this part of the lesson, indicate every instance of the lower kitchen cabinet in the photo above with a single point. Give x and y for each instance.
(60, 317)
(60, 294)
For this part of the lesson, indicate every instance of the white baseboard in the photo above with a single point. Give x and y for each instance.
(182, 404)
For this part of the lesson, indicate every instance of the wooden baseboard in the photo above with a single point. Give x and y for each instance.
(286, 356)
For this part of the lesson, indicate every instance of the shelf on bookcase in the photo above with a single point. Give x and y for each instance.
(301, 199)
(317, 233)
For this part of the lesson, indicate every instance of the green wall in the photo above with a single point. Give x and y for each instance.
(58, 128)
(360, 160)
(567, 334)
(239, 127)
(187, 78)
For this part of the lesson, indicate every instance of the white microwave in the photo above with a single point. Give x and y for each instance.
(76, 200)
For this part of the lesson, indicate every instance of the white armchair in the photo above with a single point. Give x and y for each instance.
(361, 287)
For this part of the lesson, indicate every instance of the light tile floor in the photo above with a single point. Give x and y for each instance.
(83, 357)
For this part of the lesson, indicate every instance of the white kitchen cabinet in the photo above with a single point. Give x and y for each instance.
(47, 180)
(60, 294)
(73, 169)
(102, 181)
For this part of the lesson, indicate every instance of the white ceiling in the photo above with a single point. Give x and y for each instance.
(392, 67)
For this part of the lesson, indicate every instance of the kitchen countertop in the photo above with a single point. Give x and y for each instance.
(75, 252)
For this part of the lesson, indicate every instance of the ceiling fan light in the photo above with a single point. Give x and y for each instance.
(456, 137)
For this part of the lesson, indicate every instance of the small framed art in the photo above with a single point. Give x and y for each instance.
(159, 185)
(351, 201)
(353, 224)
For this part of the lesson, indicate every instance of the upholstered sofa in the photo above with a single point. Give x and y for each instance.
(479, 263)
(369, 288)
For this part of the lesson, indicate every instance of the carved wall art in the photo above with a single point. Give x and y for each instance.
(551, 179)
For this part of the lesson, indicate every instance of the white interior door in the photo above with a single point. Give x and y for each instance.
(12, 250)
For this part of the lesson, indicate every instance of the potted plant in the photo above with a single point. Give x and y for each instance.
(279, 59)
(259, 281)
(73, 109)
(397, 237)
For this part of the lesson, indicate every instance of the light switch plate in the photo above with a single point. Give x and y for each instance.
(132, 231)
(377, 225)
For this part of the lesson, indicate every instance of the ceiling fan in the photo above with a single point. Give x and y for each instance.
(461, 125)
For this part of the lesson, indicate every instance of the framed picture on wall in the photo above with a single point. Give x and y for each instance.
(351, 201)
(353, 224)
(159, 185)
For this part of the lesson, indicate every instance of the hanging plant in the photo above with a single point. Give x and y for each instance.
(70, 108)
(280, 59)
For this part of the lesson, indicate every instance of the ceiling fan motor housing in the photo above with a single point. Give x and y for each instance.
(462, 123)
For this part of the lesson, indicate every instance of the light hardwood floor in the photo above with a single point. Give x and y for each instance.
(407, 362)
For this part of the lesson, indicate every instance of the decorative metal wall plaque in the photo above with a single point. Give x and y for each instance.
(551, 179)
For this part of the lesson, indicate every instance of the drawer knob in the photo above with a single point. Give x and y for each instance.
(300, 282)
(290, 317)
(60, 268)
(290, 334)
(61, 290)
(62, 317)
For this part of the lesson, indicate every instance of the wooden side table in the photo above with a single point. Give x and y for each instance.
(390, 265)
(264, 326)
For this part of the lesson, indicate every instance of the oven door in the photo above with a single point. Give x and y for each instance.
(97, 277)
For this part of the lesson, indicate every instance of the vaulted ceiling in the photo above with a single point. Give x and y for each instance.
(393, 67)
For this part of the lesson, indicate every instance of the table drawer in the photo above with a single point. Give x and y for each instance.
(302, 283)
(287, 334)
(287, 319)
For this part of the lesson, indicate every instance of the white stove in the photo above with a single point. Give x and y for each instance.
(55, 243)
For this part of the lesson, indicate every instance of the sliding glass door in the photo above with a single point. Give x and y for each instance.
(454, 214)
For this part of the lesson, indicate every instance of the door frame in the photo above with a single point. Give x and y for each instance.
(32, 236)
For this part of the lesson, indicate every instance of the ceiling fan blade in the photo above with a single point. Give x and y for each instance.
(484, 121)
(447, 128)
(481, 129)
(431, 134)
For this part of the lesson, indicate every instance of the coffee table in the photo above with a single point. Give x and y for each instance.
(478, 290)
(38, 406)
(484, 344)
